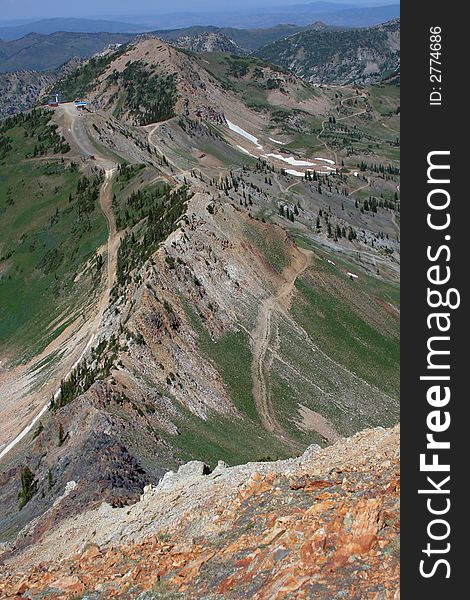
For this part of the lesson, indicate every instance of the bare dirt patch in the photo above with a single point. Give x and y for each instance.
(261, 337)
(310, 420)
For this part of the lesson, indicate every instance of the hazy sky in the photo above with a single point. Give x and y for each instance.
(31, 9)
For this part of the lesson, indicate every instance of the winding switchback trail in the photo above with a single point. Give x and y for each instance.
(362, 187)
(261, 336)
(356, 114)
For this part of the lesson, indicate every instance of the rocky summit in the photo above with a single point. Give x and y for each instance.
(323, 525)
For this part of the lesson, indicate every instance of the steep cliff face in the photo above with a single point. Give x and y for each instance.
(323, 525)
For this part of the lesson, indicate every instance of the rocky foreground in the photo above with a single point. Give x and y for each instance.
(324, 525)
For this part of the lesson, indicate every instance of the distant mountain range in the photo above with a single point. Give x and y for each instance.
(300, 15)
(318, 53)
(71, 25)
(297, 14)
(46, 52)
(39, 52)
(245, 39)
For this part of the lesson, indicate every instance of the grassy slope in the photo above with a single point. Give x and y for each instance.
(343, 330)
(251, 78)
(47, 243)
(349, 371)
(235, 440)
(271, 243)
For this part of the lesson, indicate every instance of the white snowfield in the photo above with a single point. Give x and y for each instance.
(295, 173)
(292, 161)
(302, 174)
(244, 134)
(327, 160)
(246, 151)
(352, 275)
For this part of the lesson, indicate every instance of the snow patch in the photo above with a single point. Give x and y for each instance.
(295, 173)
(292, 161)
(327, 160)
(276, 141)
(244, 134)
(246, 151)
(352, 275)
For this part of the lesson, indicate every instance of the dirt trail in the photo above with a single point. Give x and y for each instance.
(356, 114)
(114, 238)
(261, 336)
(390, 128)
(284, 190)
(362, 187)
(77, 339)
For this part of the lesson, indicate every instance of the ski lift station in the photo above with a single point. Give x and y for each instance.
(54, 100)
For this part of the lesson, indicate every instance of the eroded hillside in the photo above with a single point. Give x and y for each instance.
(217, 261)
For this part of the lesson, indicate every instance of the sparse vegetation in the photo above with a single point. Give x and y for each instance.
(84, 375)
(338, 56)
(51, 227)
(29, 487)
(149, 98)
(78, 83)
(160, 220)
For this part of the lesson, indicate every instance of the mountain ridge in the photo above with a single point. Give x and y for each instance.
(361, 55)
(302, 14)
(46, 52)
(214, 256)
(69, 25)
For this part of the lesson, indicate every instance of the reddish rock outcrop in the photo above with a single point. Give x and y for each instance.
(322, 526)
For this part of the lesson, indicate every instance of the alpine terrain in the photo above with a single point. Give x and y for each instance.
(199, 329)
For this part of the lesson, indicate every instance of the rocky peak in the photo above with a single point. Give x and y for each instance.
(209, 41)
(321, 525)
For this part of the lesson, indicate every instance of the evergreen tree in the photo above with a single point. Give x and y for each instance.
(28, 487)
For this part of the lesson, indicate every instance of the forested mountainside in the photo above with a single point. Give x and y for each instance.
(341, 57)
